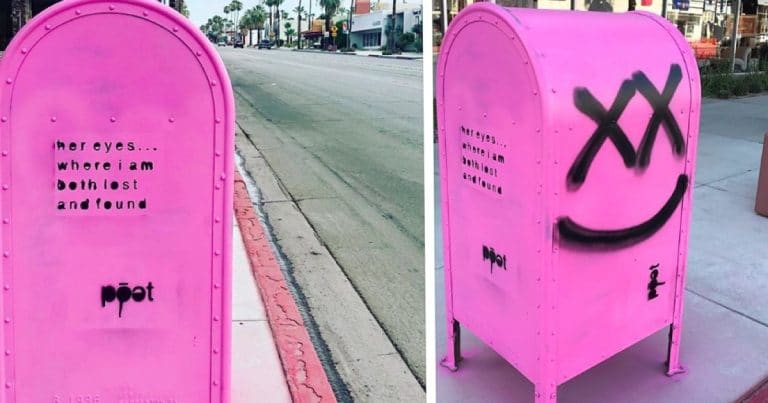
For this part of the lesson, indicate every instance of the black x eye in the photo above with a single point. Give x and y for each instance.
(608, 127)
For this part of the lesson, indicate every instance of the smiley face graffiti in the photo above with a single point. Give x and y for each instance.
(608, 128)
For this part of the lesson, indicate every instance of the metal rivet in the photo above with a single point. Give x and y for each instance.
(145, 13)
(4, 118)
(78, 12)
(215, 350)
(217, 253)
(9, 80)
(7, 320)
(218, 186)
(48, 27)
(213, 83)
(217, 219)
(53, 118)
(223, 176)
(6, 220)
(7, 287)
(215, 383)
(218, 153)
(7, 352)
(171, 120)
(218, 120)
(215, 318)
(7, 254)
(5, 153)
(113, 119)
(6, 187)
(111, 7)
(175, 29)
(217, 286)
(199, 53)
(24, 50)
(7, 385)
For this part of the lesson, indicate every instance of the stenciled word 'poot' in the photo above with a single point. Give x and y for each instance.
(566, 166)
(116, 133)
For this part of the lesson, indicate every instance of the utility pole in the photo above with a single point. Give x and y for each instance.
(299, 29)
(735, 33)
(391, 37)
(349, 24)
(309, 18)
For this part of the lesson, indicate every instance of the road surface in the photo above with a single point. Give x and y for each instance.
(343, 136)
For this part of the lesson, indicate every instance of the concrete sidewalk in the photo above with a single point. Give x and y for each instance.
(257, 374)
(366, 53)
(725, 323)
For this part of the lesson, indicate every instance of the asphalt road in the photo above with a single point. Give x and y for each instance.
(343, 135)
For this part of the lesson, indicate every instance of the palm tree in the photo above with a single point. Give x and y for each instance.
(259, 17)
(236, 6)
(280, 15)
(330, 6)
(289, 32)
(270, 4)
(299, 11)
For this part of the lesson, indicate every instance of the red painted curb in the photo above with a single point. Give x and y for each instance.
(304, 373)
(758, 394)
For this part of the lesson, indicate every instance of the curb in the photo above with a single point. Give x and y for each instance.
(303, 371)
(398, 57)
(355, 54)
(758, 394)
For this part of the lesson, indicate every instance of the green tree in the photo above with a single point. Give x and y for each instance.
(235, 7)
(299, 11)
(289, 32)
(330, 6)
(270, 4)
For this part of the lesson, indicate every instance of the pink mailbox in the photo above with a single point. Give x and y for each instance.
(567, 145)
(116, 133)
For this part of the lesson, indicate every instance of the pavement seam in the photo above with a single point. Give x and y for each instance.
(304, 373)
(322, 242)
(742, 314)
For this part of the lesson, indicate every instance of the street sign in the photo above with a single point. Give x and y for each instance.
(116, 201)
(334, 29)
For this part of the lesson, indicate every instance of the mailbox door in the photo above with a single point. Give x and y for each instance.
(116, 139)
(624, 123)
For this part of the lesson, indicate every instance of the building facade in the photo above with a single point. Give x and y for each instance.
(15, 13)
(708, 25)
(369, 30)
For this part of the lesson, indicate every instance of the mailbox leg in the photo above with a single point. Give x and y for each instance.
(452, 359)
(673, 350)
(546, 392)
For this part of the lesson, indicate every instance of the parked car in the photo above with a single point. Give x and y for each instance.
(265, 44)
(222, 42)
(239, 44)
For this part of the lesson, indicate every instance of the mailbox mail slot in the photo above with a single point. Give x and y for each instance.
(567, 144)
(116, 133)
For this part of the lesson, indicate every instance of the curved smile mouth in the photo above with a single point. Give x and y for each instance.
(575, 232)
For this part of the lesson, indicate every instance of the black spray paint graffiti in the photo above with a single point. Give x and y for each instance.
(123, 293)
(495, 258)
(608, 128)
(654, 282)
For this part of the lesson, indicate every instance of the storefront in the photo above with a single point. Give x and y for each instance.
(707, 24)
